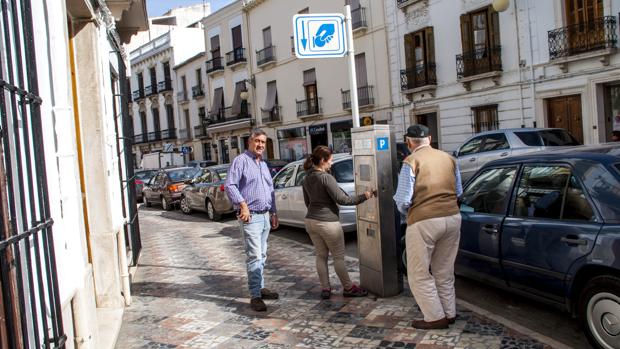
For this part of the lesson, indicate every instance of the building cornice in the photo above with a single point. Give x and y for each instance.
(250, 4)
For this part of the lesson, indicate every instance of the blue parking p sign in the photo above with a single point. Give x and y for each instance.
(383, 143)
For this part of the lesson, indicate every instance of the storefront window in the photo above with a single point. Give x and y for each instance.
(613, 110)
(293, 143)
(341, 136)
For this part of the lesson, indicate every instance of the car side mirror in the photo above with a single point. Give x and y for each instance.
(455, 154)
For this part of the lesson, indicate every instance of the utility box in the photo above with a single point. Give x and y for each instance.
(158, 160)
(375, 167)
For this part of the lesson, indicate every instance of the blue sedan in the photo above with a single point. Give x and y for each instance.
(547, 225)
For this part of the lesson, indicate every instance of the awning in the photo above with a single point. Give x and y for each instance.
(310, 77)
(218, 95)
(236, 106)
(272, 92)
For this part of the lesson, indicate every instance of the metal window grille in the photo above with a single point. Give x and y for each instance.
(29, 294)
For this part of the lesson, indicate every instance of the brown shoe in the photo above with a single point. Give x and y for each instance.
(266, 293)
(257, 304)
(451, 320)
(430, 325)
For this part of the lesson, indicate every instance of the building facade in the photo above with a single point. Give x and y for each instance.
(463, 67)
(303, 103)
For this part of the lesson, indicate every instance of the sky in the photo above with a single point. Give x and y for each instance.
(156, 8)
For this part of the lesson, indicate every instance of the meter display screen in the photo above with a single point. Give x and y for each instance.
(365, 173)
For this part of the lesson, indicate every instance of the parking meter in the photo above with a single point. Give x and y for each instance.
(375, 167)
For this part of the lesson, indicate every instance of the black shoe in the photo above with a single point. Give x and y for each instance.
(326, 293)
(266, 293)
(430, 325)
(452, 320)
(257, 304)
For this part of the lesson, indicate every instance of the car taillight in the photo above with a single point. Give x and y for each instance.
(139, 181)
(222, 187)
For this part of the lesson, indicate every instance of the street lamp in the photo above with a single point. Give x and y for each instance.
(244, 94)
(500, 5)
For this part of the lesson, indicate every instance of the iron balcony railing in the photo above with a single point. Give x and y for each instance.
(214, 65)
(479, 61)
(184, 133)
(226, 114)
(266, 55)
(309, 107)
(154, 136)
(165, 85)
(170, 133)
(271, 115)
(182, 96)
(358, 18)
(403, 3)
(199, 131)
(584, 37)
(365, 97)
(422, 75)
(150, 90)
(137, 94)
(141, 138)
(235, 56)
(197, 91)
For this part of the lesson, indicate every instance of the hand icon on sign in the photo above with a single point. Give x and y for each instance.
(324, 35)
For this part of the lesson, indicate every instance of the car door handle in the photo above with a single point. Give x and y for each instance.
(504, 154)
(490, 229)
(573, 240)
(472, 159)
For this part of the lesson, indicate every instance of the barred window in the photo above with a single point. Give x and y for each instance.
(485, 118)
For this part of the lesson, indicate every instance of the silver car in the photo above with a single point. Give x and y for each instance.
(491, 145)
(290, 198)
(206, 193)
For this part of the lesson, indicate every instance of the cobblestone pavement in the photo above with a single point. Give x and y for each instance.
(190, 291)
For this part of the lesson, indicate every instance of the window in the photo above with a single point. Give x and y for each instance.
(531, 139)
(343, 171)
(489, 192)
(301, 175)
(167, 71)
(419, 59)
(283, 177)
(485, 118)
(495, 142)
(215, 47)
(140, 82)
(480, 43)
(558, 138)
(471, 147)
(170, 116)
(617, 167)
(576, 206)
(155, 112)
(199, 78)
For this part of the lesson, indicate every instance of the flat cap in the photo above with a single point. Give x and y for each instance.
(418, 131)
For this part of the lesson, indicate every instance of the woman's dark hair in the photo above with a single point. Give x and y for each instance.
(321, 152)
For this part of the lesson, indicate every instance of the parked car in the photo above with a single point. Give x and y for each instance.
(201, 163)
(547, 225)
(206, 193)
(140, 178)
(290, 198)
(166, 186)
(491, 145)
(275, 165)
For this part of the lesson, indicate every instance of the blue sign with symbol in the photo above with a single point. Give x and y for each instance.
(319, 35)
(383, 143)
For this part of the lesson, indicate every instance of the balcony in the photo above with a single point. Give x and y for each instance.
(414, 79)
(271, 115)
(582, 38)
(199, 132)
(226, 115)
(197, 92)
(309, 107)
(141, 138)
(182, 97)
(164, 86)
(154, 136)
(170, 133)
(358, 19)
(265, 56)
(215, 65)
(150, 90)
(402, 4)
(365, 97)
(184, 133)
(235, 57)
(478, 62)
(137, 95)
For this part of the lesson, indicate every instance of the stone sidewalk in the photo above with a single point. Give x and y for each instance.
(190, 292)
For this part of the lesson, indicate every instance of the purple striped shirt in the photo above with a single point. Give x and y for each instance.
(250, 182)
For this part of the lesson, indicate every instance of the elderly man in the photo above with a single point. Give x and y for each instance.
(250, 189)
(428, 186)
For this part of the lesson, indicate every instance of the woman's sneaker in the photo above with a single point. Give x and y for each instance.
(326, 293)
(355, 291)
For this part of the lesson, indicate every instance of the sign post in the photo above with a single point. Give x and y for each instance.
(324, 36)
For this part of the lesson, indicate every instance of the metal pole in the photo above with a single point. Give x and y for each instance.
(352, 74)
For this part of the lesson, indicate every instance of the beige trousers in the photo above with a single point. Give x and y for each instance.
(328, 237)
(433, 243)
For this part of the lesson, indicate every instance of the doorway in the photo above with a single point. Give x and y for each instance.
(430, 120)
(612, 110)
(318, 135)
(565, 112)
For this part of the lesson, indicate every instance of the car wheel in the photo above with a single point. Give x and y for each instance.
(145, 201)
(165, 204)
(599, 312)
(211, 213)
(185, 206)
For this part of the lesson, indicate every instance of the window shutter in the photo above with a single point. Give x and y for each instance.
(360, 67)
(494, 28)
(430, 45)
(409, 52)
(466, 33)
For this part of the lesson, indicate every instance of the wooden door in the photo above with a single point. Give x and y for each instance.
(565, 112)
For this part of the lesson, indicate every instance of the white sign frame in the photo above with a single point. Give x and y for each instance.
(307, 46)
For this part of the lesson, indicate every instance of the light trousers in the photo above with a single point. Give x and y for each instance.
(255, 234)
(328, 237)
(433, 243)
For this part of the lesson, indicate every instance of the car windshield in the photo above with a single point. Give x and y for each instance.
(343, 171)
(182, 174)
(223, 173)
(557, 138)
(146, 175)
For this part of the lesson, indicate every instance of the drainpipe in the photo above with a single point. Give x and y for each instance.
(520, 66)
(124, 269)
(532, 79)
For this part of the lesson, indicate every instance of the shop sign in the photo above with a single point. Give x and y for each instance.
(317, 129)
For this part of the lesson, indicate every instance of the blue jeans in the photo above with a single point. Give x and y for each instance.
(255, 234)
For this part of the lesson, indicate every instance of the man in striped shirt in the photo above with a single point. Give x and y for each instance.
(250, 188)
